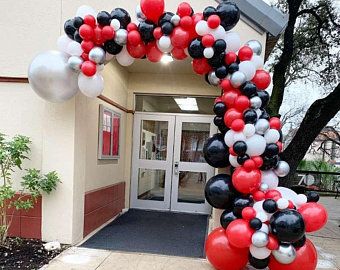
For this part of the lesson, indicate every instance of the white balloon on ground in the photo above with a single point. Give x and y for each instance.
(257, 61)
(282, 169)
(84, 10)
(229, 138)
(260, 253)
(256, 145)
(270, 178)
(208, 52)
(63, 42)
(51, 78)
(74, 48)
(164, 44)
(202, 28)
(91, 86)
(249, 130)
(233, 41)
(124, 58)
(233, 161)
(218, 33)
(272, 136)
(248, 68)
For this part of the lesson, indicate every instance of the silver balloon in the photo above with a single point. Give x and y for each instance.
(75, 62)
(175, 20)
(97, 55)
(261, 126)
(121, 37)
(212, 78)
(264, 187)
(51, 78)
(260, 239)
(255, 45)
(285, 254)
(237, 79)
(282, 169)
(256, 102)
(139, 14)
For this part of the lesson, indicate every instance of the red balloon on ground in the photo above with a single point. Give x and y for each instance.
(314, 215)
(136, 51)
(89, 68)
(184, 9)
(201, 66)
(153, 53)
(231, 115)
(239, 233)
(152, 9)
(245, 53)
(262, 79)
(306, 259)
(222, 255)
(246, 182)
(178, 53)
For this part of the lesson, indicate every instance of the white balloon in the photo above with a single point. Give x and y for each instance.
(233, 41)
(175, 20)
(259, 253)
(264, 228)
(91, 86)
(257, 61)
(282, 169)
(202, 28)
(249, 130)
(208, 52)
(261, 126)
(282, 203)
(258, 206)
(270, 178)
(124, 58)
(248, 68)
(74, 48)
(272, 136)
(233, 161)
(84, 10)
(115, 24)
(164, 44)
(301, 199)
(262, 216)
(229, 138)
(109, 57)
(218, 33)
(63, 42)
(259, 113)
(237, 79)
(256, 145)
(288, 194)
(239, 136)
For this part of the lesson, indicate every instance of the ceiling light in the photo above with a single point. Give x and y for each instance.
(187, 104)
(166, 59)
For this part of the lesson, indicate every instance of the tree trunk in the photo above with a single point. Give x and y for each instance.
(316, 118)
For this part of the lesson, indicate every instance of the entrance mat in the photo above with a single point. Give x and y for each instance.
(174, 234)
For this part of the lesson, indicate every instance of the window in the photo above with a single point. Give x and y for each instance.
(109, 130)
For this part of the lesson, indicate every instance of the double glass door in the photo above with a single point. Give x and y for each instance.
(168, 168)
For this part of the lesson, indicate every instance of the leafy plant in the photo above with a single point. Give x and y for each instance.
(12, 154)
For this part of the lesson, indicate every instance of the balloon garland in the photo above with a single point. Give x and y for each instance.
(262, 224)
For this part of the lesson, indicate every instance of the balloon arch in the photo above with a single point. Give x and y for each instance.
(262, 224)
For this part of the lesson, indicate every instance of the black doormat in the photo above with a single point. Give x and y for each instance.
(166, 233)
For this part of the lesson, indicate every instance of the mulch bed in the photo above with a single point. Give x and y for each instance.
(25, 254)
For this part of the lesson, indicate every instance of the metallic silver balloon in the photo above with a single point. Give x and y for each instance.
(51, 78)
(175, 20)
(255, 102)
(212, 78)
(282, 169)
(75, 62)
(261, 126)
(237, 79)
(139, 14)
(285, 254)
(255, 45)
(260, 239)
(121, 37)
(264, 187)
(97, 55)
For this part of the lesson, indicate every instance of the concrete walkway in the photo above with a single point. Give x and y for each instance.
(327, 242)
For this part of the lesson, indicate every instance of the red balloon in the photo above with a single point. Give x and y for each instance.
(98, 37)
(89, 68)
(85, 56)
(197, 17)
(134, 38)
(108, 32)
(201, 66)
(226, 86)
(249, 165)
(186, 23)
(306, 259)
(208, 40)
(245, 53)
(258, 161)
(246, 182)
(248, 213)
(131, 27)
(239, 233)
(218, 99)
(222, 255)
(136, 51)
(157, 33)
(230, 58)
(232, 152)
(242, 103)
(314, 215)
(237, 125)
(275, 123)
(184, 9)
(273, 194)
(86, 32)
(231, 115)
(153, 53)
(180, 38)
(152, 9)
(178, 53)
(90, 20)
(262, 79)
(280, 145)
(273, 243)
(259, 196)
(87, 46)
(230, 97)
(214, 21)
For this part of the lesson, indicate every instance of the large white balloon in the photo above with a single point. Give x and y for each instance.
(272, 136)
(51, 78)
(248, 68)
(260, 253)
(124, 58)
(288, 194)
(256, 145)
(229, 138)
(270, 178)
(202, 28)
(233, 41)
(63, 42)
(84, 10)
(91, 86)
(74, 49)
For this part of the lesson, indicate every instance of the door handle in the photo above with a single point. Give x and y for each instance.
(176, 170)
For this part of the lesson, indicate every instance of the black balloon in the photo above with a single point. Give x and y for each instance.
(264, 96)
(223, 128)
(255, 223)
(146, 31)
(258, 263)
(77, 22)
(196, 49)
(233, 68)
(272, 149)
(166, 17)
(70, 29)
(112, 47)
(77, 37)
(270, 206)
(220, 108)
(240, 148)
(229, 14)
(312, 196)
(242, 159)
(249, 89)
(218, 121)
(221, 72)
(250, 116)
(269, 162)
(122, 16)
(226, 218)
(220, 46)
(216, 152)
(219, 191)
(265, 115)
(287, 225)
(300, 243)
(217, 60)
(208, 11)
(103, 18)
(241, 203)
(167, 28)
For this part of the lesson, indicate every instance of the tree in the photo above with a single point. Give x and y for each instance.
(308, 50)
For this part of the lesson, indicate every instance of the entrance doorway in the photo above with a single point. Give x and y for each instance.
(168, 168)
